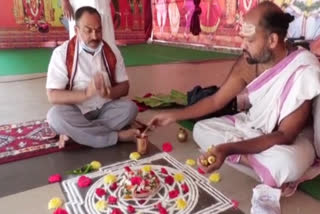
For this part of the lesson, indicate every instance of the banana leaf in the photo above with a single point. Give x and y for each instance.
(163, 100)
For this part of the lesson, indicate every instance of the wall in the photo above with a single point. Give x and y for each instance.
(37, 23)
(6, 14)
(31, 23)
(220, 20)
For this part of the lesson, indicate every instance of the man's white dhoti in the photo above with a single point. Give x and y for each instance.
(275, 94)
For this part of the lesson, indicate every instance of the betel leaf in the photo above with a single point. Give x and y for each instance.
(164, 100)
(80, 171)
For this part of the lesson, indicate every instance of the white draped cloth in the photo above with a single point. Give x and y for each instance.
(275, 94)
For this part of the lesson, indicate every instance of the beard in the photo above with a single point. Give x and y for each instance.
(264, 57)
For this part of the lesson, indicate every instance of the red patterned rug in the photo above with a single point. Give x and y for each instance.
(26, 140)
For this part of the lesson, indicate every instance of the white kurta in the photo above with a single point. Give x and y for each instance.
(274, 95)
(88, 66)
(103, 7)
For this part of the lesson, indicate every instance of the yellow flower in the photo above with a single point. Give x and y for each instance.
(110, 179)
(190, 162)
(146, 168)
(204, 162)
(181, 204)
(215, 177)
(179, 177)
(101, 205)
(134, 156)
(211, 159)
(55, 203)
(95, 165)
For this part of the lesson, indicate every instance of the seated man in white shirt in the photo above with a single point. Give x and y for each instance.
(85, 81)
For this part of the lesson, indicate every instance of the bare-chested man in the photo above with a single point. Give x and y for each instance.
(274, 87)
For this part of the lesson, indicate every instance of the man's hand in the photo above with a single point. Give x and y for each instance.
(212, 159)
(162, 119)
(67, 9)
(103, 90)
(91, 90)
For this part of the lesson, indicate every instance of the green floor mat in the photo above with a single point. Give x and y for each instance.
(188, 124)
(36, 60)
(24, 61)
(311, 187)
(145, 54)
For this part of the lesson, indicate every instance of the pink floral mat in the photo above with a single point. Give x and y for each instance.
(28, 139)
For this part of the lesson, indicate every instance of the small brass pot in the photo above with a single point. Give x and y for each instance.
(182, 135)
(142, 144)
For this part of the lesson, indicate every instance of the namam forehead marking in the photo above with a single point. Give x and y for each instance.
(247, 29)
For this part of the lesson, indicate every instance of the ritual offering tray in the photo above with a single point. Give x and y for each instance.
(140, 183)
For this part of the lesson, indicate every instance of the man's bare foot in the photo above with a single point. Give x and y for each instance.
(128, 135)
(62, 141)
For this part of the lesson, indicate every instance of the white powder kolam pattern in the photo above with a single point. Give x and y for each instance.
(147, 205)
(84, 203)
